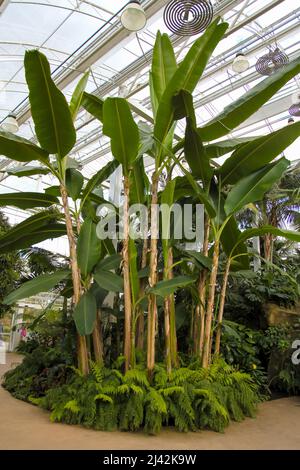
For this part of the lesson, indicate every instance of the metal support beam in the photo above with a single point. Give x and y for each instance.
(113, 36)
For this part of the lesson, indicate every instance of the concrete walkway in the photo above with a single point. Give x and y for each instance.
(24, 426)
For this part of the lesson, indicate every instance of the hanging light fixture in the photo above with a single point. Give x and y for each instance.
(240, 63)
(133, 16)
(10, 124)
(295, 110)
(271, 62)
(188, 17)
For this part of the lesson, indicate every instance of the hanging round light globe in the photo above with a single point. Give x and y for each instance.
(240, 63)
(133, 17)
(10, 124)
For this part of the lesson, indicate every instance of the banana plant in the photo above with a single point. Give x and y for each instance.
(244, 178)
(119, 125)
(54, 120)
(251, 169)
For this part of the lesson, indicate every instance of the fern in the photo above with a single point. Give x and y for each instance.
(171, 390)
(189, 398)
(132, 413)
(103, 397)
(97, 372)
(72, 406)
(155, 411)
(136, 376)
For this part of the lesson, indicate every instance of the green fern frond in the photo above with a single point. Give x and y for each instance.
(136, 376)
(136, 389)
(171, 390)
(103, 397)
(72, 406)
(97, 372)
(123, 389)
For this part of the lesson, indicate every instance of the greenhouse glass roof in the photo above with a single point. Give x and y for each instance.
(79, 34)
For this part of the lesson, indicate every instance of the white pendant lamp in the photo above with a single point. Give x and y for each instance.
(133, 17)
(240, 63)
(10, 124)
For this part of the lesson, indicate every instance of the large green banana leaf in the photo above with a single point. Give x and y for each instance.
(194, 151)
(74, 183)
(163, 64)
(232, 247)
(93, 105)
(187, 76)
(88, 247)
(35, 222)
(278, 232)
(27, 170)
(27, 200)
(42, 283)
(165, 288)
(109, 281)
(85, 314)
(47, 232)
(256, 154)
(77, 96)
(139, 187)
(99, 178)
(230, 232)
(219, 149)
(21, 150)
(110, 262)
(119, 125)
(50, 111)
(240, 110)
(253, 187)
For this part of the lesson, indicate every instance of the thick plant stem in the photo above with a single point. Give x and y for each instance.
(221, 308)
(167, 335)
(210, 306)
(200, 310)
(126, 274)
(82, 353)
(268, 247)
(140, 335)
(152, 306)
(98, 340)
(167, 313)
(171, 308)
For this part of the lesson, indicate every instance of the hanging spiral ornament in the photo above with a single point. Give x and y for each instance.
(188, 17)
(295, 110)
(271, 62)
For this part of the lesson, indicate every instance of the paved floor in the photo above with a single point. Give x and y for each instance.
(24, 426)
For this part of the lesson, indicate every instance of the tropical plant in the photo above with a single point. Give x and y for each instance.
(10, 267)
(245, 177)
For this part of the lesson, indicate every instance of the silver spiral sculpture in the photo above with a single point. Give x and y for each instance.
(295, 110)
(188, 17)
(269, 63)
